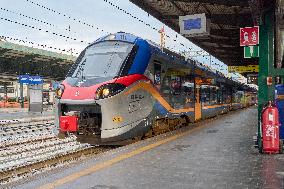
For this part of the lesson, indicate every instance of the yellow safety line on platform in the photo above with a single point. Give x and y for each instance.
(110, 162)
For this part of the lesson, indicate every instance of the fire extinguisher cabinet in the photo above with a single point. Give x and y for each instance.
(279, 99)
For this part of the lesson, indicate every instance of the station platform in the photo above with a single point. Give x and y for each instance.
(218, 153)
(14, 115)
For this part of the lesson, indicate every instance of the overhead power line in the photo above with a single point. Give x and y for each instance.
(95, 27)
(67, 16)
(147, 24)
(40, 29)
(37, 44)
(81, 22)
(13, 12)
(35, 19)
(142, 21)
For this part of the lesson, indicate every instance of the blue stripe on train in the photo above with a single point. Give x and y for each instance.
(142, 58)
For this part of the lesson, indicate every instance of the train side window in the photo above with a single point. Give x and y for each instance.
(213, 95)
(157, 75)
(176, 84)
(219, 96)
(205, 94)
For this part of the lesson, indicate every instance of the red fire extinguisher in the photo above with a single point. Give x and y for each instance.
(270, 130)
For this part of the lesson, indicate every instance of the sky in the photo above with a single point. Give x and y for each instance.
(104, 18)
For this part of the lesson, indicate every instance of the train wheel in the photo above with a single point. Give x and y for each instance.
(185, 120)
(161, 126)
(137, 138)
(149, 134)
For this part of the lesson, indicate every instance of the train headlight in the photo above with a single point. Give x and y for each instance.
(109, 90)
(59, 91)
(106, 92)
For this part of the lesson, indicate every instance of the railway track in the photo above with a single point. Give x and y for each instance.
(38, 153)
(26, 148)
(46, 161)
(13, 134)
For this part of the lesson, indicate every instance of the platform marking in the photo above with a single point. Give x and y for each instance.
(110, 162)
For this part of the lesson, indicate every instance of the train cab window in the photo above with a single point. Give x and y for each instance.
(128, 61)
(101, 60)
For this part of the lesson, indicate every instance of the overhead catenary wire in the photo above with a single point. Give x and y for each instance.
(67, 16)
(92, 26)
(35, 19)
(112, 4)
(20, 14)
(38, 44)
(47, 31)
(142, 21)
(147, 24)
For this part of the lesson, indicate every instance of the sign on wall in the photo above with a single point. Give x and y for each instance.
(33, 80)
(249, 36)
(243, 69)
(251, 52)
(194, 25)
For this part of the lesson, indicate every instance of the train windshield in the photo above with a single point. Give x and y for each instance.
(104, 59)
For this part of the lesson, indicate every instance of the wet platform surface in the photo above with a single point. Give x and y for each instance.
(218, 155)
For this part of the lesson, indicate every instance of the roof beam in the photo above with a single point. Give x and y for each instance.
(240, 3)
(227, 19)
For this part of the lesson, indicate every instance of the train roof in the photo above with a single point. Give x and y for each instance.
(173, 56)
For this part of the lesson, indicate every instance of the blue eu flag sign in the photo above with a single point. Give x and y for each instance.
(192, 24)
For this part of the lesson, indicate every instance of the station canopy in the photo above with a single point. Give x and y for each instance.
(19, 60)
(226, 17)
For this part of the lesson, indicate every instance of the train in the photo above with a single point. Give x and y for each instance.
(123, 88)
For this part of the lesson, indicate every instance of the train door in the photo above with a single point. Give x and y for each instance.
(197, 107)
